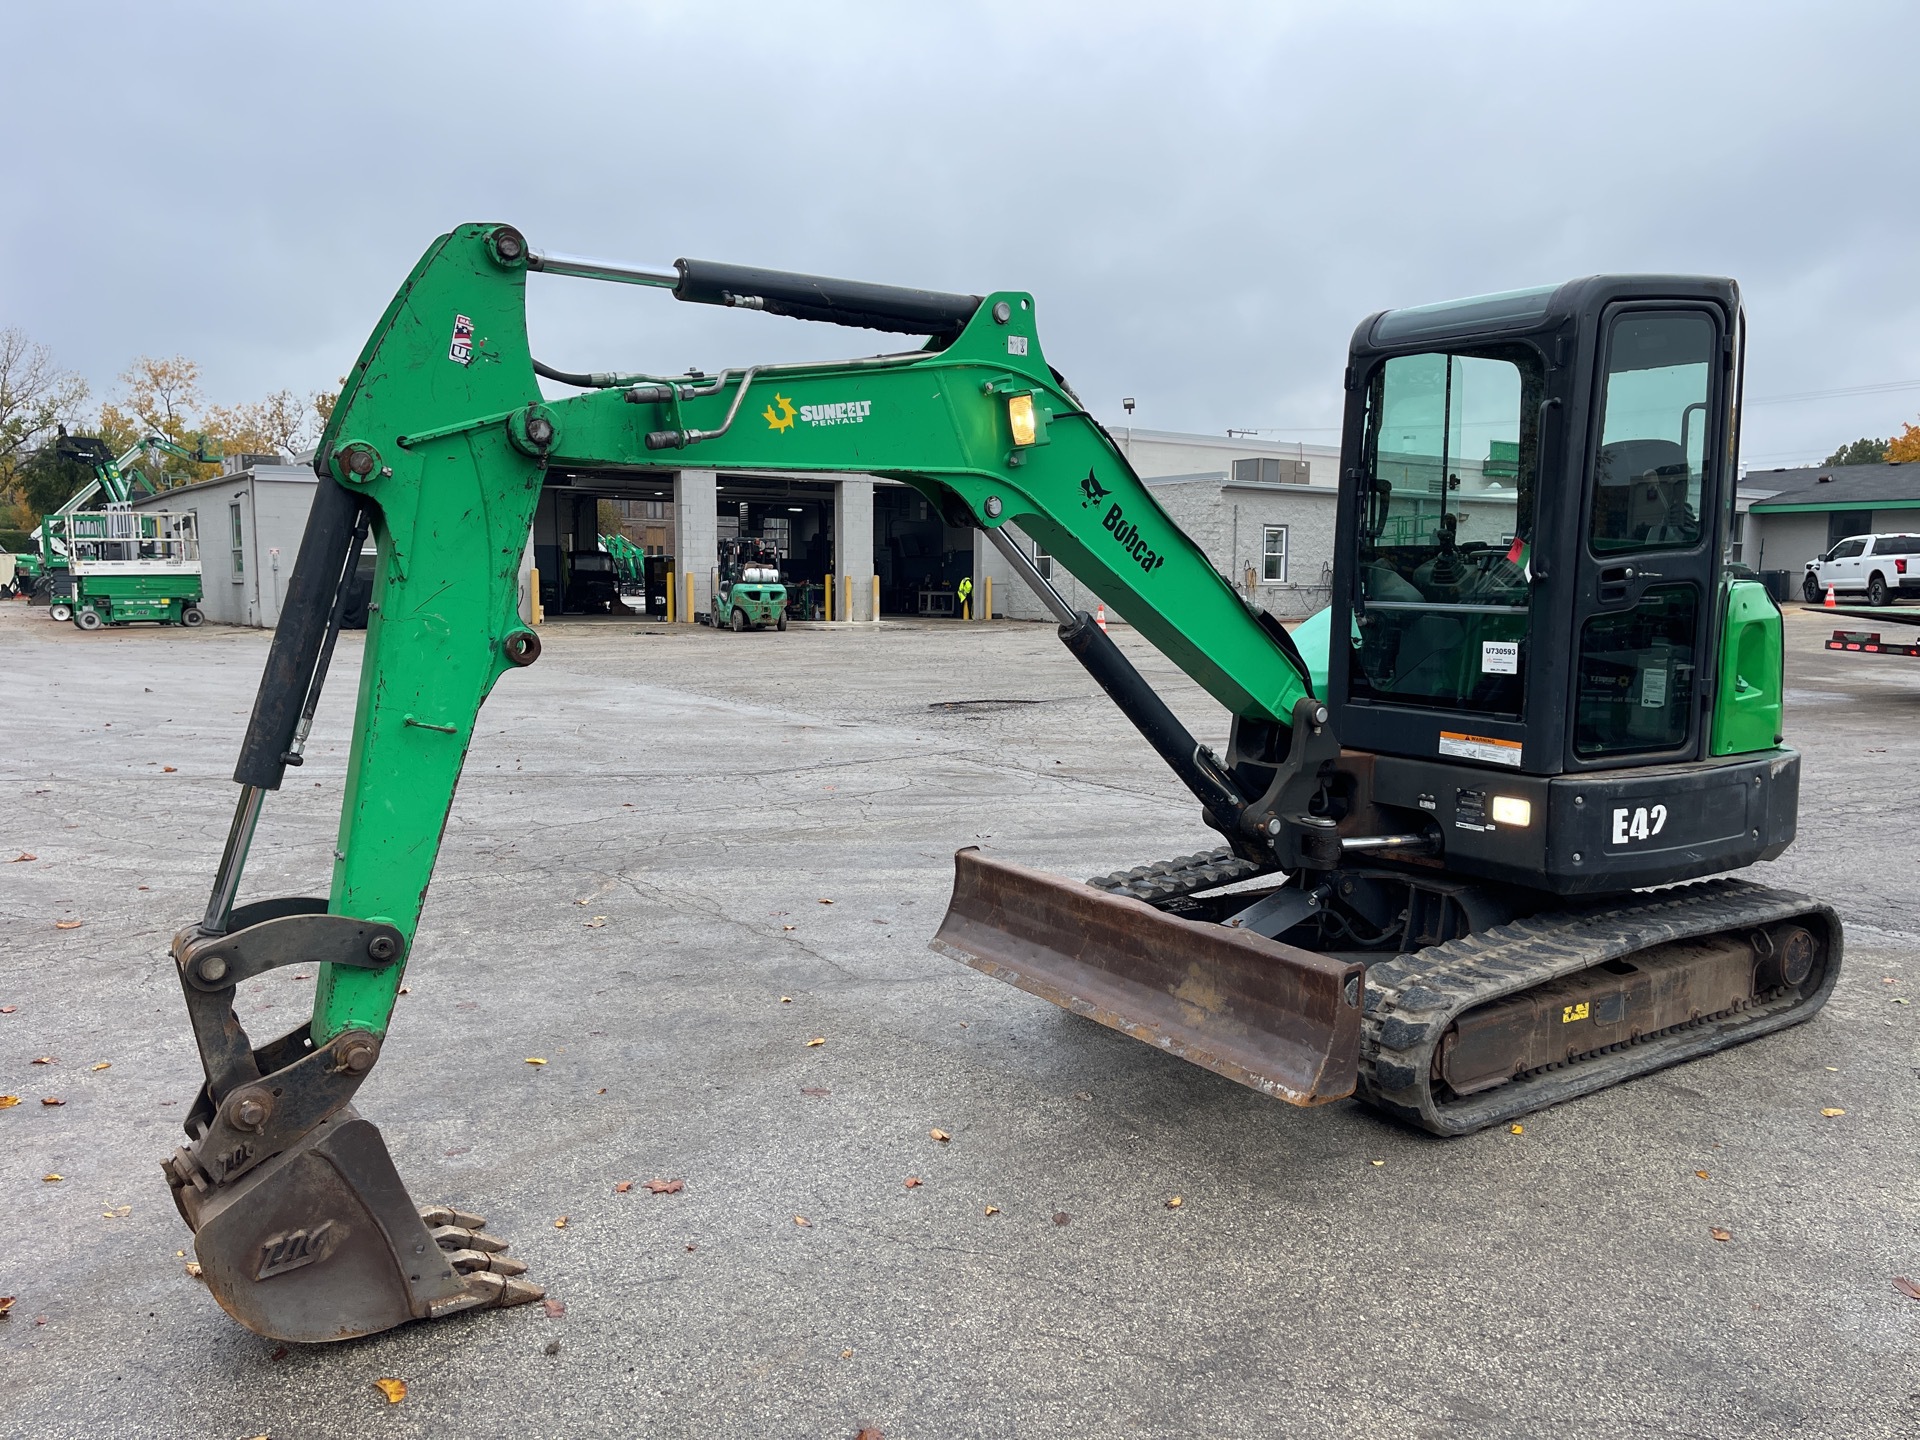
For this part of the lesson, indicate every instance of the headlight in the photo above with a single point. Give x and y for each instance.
(1020, 413)
(1512, 810)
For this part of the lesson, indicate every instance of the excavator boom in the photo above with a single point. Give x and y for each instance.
(438, 448)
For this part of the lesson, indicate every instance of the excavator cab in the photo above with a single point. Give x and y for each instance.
(1539, 492)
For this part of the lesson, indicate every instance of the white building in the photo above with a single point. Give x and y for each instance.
(249, 521)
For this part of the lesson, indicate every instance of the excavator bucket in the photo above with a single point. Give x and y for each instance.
(322, 1243)
(1282, 1020)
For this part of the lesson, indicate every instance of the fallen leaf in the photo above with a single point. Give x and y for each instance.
(405, 990)
(1376, 1162)
(1702, 1174)
(44, 1060)
(1889, 979)
(826, 902)
(594, 924)
(579, 902)
(803, 1222)
(666, 1187)
(786, 999)
(1898, 1000)
(561, 1223)
(1173, 1202)
(1833, 1069)
(1516, 1129)
(394, 1390)
(51, 1100)
(690, 1249)
(1720, 1234)
(23, 855)
(8, 1009)
(623, 1187)
(1060, 1217)
(867, 1432)
(192, 1268)
(535, 1060)
(7, 1102)
(1831, 1111)
(53, 1177)
(601, 1091)
(817, 1040)
(118, 1212)
(993, 1209)
(847, 1354)
(168, 769)
(554, 1308)
(1900, 1282)
(913, 1182)
(942, 1136)
(6, 1306)
(103, 1065)
(814, 1090)
(789, 927)
(68, 924)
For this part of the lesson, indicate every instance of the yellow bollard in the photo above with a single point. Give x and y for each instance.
(828, 591)
(986, 598)
(875, 616)
(533, 596)
(688, 617)
(846, 598)
(669, 597)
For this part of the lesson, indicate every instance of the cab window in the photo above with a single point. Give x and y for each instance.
(1446, 530)
(1648, 473)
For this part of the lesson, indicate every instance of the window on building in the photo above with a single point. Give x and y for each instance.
(1042, 561)
(1273, 555)
(1270, 470)
(239, 541)
(1738, 539)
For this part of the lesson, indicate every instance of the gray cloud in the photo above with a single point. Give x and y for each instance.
(1204, 198)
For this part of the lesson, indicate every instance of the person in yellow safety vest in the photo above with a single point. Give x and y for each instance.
(964, 593)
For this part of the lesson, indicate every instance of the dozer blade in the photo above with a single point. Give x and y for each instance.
(1282, 1020)
(321, 1243)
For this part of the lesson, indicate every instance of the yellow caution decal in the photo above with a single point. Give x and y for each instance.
(1571, 1013)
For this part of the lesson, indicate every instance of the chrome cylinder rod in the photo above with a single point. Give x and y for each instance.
(1024, 568)
(226, 881)
(618, 271)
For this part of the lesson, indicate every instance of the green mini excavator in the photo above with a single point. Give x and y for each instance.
(1453, 814)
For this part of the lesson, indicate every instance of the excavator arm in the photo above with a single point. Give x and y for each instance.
(438, 448)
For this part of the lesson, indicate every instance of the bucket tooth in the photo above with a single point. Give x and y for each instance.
(1280, 1019)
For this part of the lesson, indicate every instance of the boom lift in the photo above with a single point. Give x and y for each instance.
(1537, 692)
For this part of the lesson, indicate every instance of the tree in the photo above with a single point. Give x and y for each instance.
(36, 395)
(1904, 447)
(1861, 452)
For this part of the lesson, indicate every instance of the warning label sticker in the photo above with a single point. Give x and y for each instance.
(1483, 748)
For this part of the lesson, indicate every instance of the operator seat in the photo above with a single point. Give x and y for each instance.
(1641, 495)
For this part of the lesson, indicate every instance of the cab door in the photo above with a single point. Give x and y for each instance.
(1649, 561)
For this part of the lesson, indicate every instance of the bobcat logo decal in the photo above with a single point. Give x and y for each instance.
(1092, 492)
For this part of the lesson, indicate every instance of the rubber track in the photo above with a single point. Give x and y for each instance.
(1170, 879)
(1412, 1000)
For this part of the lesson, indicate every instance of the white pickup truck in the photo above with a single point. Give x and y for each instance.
(1881, 566)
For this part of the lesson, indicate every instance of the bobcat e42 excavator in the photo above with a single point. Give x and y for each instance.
(1537, 694)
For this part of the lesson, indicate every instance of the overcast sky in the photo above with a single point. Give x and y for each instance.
(1203, 198)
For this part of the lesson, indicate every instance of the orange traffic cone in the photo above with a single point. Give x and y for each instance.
(1100, 615)
(1830, 604)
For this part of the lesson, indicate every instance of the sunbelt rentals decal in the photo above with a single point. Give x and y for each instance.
(782, 414)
